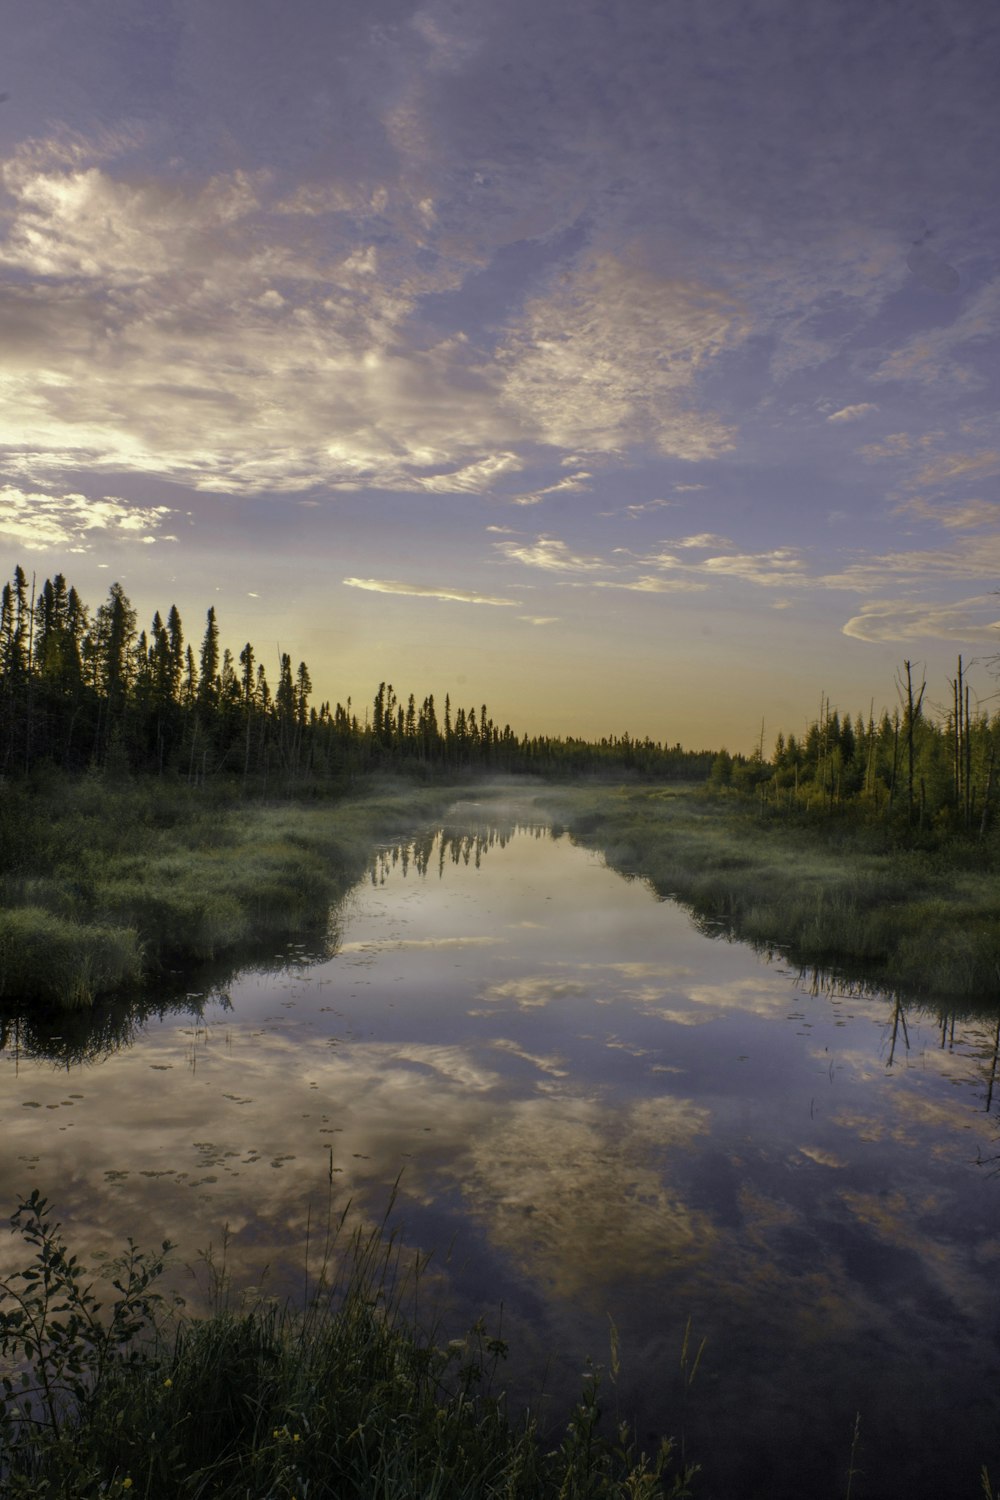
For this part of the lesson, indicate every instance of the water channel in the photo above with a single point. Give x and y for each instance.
(595, 1113)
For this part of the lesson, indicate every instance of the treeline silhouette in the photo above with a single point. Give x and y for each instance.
(86, 688)
(910, 768)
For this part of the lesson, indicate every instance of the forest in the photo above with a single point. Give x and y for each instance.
(87, 688)
(82, 687)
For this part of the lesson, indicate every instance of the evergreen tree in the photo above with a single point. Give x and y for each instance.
(208, 673)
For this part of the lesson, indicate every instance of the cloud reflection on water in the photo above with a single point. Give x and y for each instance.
(647, 1125)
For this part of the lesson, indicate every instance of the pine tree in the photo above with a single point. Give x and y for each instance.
(208, 674)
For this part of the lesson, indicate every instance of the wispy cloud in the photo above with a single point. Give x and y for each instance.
(428, 591)
(948, 468)
(852, 413)
(578, 481)
(648, 584)
(706, 540)
(969, 515)
(973, 619)
(968, 559)
(643, 507)
(895, 445)
(929, 357)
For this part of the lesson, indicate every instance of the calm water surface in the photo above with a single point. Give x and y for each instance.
(598, 1113)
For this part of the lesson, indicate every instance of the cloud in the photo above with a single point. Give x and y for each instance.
(83, 223)
(969, 515)
(775, 569)
(904, 620)
(968, 559)
(206, 332)
(852, 413)
(475, 477)
(928, 357)
(37, 521)
(580, 1176)
(549, 553)
(197, 332)
(461, 236)
(532, 991)
(572, 482)
(948, 468)
(427, 591)
(539, 619)
(895, 445)
(704, 539)
(641, 508)
(650, 585)
(610, 357)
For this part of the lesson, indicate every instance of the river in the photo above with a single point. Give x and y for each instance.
(603, 1122)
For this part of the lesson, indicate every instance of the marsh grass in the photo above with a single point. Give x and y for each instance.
(348, 1398)
(61, 961)
(926, 919)
(106, 885)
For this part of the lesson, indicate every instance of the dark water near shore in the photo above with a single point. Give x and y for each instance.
(599, 1115)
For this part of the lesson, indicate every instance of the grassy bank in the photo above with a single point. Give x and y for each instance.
(351, 1399)
(831, 894)
(104, 886)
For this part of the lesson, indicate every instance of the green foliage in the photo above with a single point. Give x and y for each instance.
(65, 1353)
(916, 779)
(349, 1400)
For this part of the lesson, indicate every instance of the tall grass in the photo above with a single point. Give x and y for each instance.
(927, 920)
(61, 961)
(104, 885)
(349, 1399)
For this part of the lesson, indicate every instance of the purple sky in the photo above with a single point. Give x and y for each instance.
(626, 365)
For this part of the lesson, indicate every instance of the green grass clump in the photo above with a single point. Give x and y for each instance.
(348, 1400)
(105, 884)
(62, 961)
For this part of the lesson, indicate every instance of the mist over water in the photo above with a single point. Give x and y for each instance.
(594, 1112)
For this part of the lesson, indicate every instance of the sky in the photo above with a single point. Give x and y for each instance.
(628, 365)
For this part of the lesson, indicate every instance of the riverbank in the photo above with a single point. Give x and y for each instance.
(830, 896)
(106, 886)
(350, 1399)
